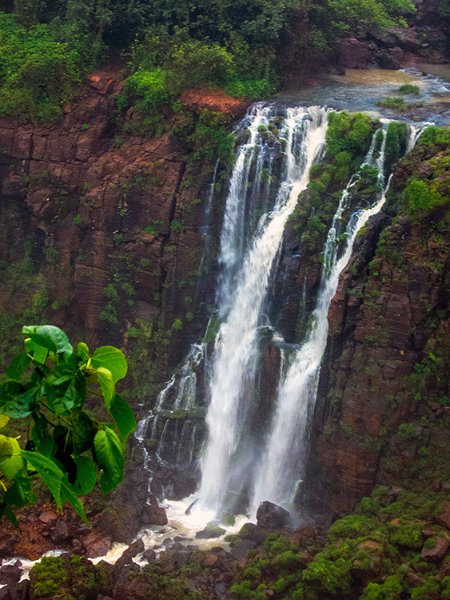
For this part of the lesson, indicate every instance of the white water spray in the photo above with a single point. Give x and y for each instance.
(278, 476)
(236, 346)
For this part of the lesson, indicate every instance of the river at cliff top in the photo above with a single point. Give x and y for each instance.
(361, 89)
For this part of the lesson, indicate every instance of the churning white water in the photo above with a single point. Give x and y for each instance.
(245, 292)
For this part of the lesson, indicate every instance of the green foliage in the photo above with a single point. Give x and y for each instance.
(48, 384)
(407, 535)
(37, 72)
(352, 526)
(349, 133)
(422, 196)
(211, 138)
(238, 45)
(324, 23)
(363, 13)
(390, 589)
(48, 576)
(150, 89)
(435, 137)
(71, 578)
(396, 139)
(429, 590)
(398, 104)
(328, 576)
(195, 63)
(252, 89)
(395, 103)
(166, 65)
(409, 90)
(176, 226)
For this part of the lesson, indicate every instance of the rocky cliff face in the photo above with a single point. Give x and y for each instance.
(382, 413)
(101, 231)
(425, 40)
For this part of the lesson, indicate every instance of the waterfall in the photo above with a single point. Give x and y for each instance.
(252, 454)
(244, 288)
(173, 419)
(280, 468)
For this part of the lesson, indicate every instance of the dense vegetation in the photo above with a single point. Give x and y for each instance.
(47, 385)
(46, 46)
(384, 551)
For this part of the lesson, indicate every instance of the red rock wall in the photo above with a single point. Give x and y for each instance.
(92, 198)
(390, 311)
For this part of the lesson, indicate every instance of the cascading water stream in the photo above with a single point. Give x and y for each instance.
(280, 467)
(249, 456)
(236, 347)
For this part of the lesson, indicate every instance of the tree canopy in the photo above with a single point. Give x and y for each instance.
(243, 45)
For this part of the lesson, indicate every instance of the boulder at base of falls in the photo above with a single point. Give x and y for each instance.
(153, 514)
(10, 574)
(211, 531)
(272, 516)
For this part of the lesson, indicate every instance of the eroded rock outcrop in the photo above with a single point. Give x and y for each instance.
(383, 390)
(425, 40)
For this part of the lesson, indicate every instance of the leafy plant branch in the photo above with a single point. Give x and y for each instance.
(67, 447)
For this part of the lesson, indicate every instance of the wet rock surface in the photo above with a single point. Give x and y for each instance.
(272, 516)
(389, 312)
(210, 532)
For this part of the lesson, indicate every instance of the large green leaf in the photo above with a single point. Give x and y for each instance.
(68, 495)
(48, 471)
(109, 457)
(123, 416)
(11, 461)
(18, 365)
(5, 509)
(83, 351)
(65, 392)
(50, 337)
(56, 481)
(38, 351)
(15, 400)
(3, 421)
(106, 384)
(112, 359)
(83, 432)
(86, 475)
(40, 436)
(20, 493)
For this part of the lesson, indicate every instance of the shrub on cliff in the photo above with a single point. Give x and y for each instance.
(37, 73)
(428, 188)
(349, 133)
(421, 196)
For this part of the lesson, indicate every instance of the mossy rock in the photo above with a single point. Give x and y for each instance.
(211, 531)
(68, 578)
